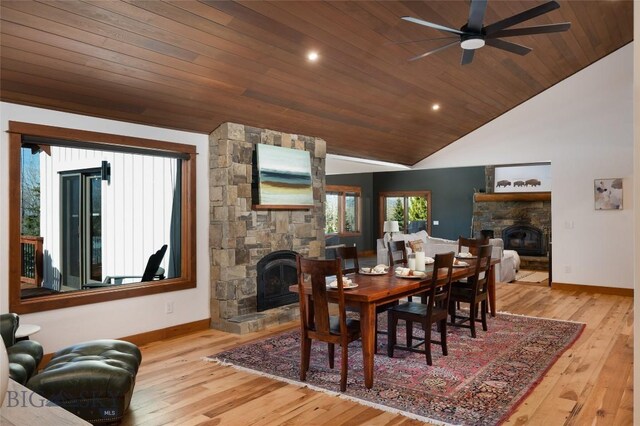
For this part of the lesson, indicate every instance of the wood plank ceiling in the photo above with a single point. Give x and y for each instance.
(194, 65)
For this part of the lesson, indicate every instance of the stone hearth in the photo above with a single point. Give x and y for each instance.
(240, 236)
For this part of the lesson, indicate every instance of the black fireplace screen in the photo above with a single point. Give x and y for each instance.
(275, 273)
(526, 240)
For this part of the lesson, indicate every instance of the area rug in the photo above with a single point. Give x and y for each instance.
(523, 273)
(535, 277)
(480, 382)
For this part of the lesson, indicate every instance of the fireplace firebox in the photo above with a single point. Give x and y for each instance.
(526, 240)
(275, 273)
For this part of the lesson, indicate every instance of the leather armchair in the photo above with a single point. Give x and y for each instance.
(25, 355)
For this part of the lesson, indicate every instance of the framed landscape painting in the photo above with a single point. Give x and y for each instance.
(284, 176)
(522, 178)
(607, 194)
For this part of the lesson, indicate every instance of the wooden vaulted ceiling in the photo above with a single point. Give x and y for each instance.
(193, 65)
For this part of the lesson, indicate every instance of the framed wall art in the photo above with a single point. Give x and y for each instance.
(511, 178)
(284, 177)
(607, 194)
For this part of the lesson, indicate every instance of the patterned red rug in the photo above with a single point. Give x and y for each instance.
(480, 382)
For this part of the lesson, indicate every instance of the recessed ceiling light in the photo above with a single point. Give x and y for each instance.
(312, 56)
(435, 107)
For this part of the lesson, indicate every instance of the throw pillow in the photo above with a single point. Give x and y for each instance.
(416, 245)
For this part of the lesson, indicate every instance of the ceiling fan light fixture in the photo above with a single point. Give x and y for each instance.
(472, 43)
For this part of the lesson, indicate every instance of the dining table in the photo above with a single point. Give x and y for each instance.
(380, 289)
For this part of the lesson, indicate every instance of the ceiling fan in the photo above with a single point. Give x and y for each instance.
(474, 34)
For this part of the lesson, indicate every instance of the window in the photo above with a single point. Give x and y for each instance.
(342, 210)
(411, 209)
(69, 227)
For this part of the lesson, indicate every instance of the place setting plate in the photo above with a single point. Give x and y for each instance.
(361, 272)
(345, 285)
(465, 256)
(411, 277)
(420, 274)
(380, 269)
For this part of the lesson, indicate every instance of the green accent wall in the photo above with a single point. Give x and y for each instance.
(451, 189)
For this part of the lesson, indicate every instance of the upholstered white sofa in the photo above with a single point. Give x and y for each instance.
(505, 270)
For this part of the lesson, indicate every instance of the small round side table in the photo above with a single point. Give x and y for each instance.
(26, 330)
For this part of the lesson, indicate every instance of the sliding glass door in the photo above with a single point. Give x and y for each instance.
(411, 209)
(81, 228)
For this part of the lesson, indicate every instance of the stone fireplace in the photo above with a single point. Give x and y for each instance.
(276, 272)
(525, 239)
(522, 220)
(240, 235)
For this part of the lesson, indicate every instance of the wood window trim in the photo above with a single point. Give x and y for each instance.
(187, 278)
(383, 195)
(342, 189)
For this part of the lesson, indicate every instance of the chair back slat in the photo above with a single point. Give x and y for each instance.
(473, 244)
(318, 271)
(348, 254)
(480, 278)
(440, 288)
(397, 252)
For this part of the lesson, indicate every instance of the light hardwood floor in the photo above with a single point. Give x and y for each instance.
(592, 383)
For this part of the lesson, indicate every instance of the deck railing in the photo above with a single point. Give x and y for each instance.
(31, 260)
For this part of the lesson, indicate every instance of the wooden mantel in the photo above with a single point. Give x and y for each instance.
(516, 196)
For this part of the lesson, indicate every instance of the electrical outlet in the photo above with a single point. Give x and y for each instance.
(168, 309)
(436, 222)
(567, 269)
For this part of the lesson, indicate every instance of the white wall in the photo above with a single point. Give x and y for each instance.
(63, 327)
(584, 126)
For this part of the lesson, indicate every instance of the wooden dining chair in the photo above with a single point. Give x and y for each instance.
(471, 244)
(433, 310)
(315, 321)
(348, 254)
(474, 291)
(397, 253)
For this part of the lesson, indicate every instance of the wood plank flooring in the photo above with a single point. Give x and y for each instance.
(592, 383)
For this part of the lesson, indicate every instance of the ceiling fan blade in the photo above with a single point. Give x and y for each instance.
(434, 50)
(538, 29)
(476, 15)
(432, 25)
(422, 40)
(508, 46)
(521, 17)
(467, 56)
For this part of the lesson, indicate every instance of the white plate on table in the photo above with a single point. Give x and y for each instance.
(466, 256)
(412, 277)
(361, 272)
(460, 265)
(345, 286)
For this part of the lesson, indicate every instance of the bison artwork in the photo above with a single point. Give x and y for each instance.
(504, 183)
(533, 182)
(518, 183)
